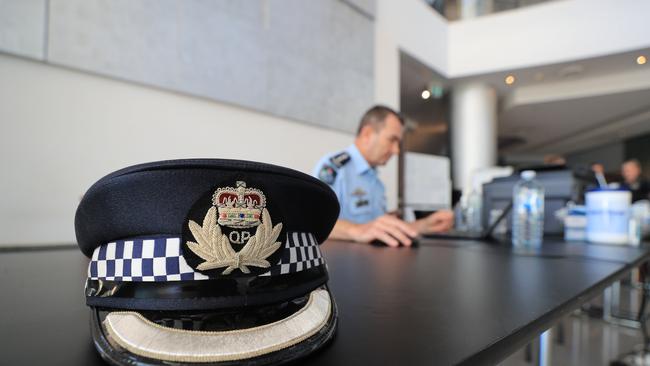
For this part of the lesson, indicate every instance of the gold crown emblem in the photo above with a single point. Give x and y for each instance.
(239, 207)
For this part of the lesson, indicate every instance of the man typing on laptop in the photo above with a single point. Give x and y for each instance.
(352, 175)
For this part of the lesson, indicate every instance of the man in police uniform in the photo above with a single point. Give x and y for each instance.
(352, 175)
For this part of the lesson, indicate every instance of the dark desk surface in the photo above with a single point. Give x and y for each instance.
(443, 302)
(551, 248)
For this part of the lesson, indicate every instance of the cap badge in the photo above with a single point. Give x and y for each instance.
(239, 207)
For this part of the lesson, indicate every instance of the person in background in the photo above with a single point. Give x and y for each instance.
(598, 168)
(634, 181)
(352, 174)
(554, 159)
(599, 173)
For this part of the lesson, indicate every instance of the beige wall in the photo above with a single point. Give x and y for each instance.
(61, 130)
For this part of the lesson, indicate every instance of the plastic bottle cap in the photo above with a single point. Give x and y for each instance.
(528, 174)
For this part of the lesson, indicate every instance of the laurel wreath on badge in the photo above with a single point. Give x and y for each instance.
(215, 248)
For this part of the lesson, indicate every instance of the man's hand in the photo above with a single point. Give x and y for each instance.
(387, 228)
(437, 222)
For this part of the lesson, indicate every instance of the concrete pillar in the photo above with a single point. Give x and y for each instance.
(473, 131)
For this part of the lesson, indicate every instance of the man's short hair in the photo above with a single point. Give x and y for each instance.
(633, 161)
(376, 117)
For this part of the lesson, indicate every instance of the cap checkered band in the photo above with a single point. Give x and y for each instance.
(141, 260)
(161, 260)
(302, 252)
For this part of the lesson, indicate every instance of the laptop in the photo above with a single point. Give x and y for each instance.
(473, 235)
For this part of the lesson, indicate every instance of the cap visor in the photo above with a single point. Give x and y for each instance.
(130, 332)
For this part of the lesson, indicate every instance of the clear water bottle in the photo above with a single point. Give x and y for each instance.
(528, 211)
(474, 205)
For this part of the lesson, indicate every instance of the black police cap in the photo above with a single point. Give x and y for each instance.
(207, 261)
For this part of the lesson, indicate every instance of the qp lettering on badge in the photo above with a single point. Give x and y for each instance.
(238, 237)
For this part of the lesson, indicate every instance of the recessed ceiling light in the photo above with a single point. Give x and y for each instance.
(426, 94)
(510, 79)
(641, 60)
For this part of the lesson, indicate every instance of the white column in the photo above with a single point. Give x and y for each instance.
(473, 131)
(387, 90)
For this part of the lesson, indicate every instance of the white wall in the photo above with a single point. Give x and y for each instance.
(61, 130)
(414, 27)
(411, 26)
(548, 33)
(556, 31)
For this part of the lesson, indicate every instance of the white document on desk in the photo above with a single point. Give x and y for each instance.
(427, 183)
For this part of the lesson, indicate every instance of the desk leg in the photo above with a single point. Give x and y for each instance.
(636, 290)
(607, 304)
(545, 348)
(611, 298)
(616, 296)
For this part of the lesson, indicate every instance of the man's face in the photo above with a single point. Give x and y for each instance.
(630, 172)
(598, 168)
(384, 143)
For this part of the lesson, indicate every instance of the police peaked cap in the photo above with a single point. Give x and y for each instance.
(207, 261)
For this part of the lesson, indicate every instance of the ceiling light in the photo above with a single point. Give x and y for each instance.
(641, 60)
(426, 94)
(510, 79)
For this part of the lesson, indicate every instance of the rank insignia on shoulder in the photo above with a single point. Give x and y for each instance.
(327, 174)
(340, 159)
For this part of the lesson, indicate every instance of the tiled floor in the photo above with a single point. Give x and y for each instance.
(579, 339)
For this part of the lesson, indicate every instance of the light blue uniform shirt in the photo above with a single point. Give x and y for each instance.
(360, 192)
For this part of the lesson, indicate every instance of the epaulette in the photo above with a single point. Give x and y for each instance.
(340, 159)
